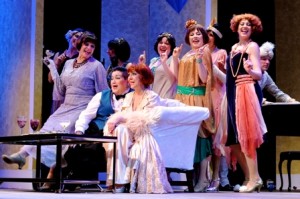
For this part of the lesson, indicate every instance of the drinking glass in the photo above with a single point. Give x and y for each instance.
(64, 125)
(21, 122)
(34, 124)
(49, 54)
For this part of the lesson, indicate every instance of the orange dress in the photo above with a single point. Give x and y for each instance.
(192, 91)
(188, 77)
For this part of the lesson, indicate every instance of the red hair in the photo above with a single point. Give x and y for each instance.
(253, 19)
(144, 71)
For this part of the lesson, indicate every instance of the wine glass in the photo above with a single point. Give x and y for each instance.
(49, 54)
(64, 125)
(21, 122)
(34, 123)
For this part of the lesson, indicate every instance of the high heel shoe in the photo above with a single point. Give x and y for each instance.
(214, 186)
(15, 158)
(238, 187)
(46, 187)
(257, 186)
(201, 187)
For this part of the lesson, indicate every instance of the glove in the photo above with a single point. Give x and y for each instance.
(51, 65)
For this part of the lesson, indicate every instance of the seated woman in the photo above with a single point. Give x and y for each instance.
(139, 161)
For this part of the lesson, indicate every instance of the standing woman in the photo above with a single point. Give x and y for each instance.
(79, 81)
(60, 59)
(119, 54)
(218, 95)
(165, 76)
(244, 96)
(195, 82)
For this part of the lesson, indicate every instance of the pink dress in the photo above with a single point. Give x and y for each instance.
(219, 103)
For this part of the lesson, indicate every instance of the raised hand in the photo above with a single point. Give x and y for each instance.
(59, 59)
(142, 58)
(200, 52)
(177, 50)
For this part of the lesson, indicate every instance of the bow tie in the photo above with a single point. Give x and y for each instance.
(120, 96)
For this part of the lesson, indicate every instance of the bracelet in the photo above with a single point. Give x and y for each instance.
(199, 61)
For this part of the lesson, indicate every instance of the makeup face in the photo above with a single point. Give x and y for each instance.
(164, 46)
(111, 52)
(211, 38)
(74, 38)
(245, 28)
(196, 39)
(265, 63)
(87, 49)
(134, 80)
(118, 83)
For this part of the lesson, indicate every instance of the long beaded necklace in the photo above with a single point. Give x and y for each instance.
(77, 65)
(230, 61)
(238, 68)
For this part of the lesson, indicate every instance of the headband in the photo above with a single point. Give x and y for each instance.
(215, 31)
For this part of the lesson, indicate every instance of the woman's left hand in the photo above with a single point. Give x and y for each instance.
(142, 58)
(177, 51)
(248, 65)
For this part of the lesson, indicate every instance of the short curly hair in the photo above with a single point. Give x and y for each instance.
(253, 19)
(144, 71)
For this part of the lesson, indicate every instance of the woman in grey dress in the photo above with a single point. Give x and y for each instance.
(79, 81)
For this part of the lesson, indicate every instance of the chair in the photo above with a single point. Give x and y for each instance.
(289, 156)
(177, 142)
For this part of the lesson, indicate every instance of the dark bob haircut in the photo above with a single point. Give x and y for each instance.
(121, 48)
(86, 36)
(216, 36)
(170, 38)
(144, 71)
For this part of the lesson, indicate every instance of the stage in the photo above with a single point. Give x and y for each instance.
(95, 194)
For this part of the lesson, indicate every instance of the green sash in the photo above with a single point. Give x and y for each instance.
(186, 90)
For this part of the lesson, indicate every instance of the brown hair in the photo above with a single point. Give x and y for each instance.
(192, 25)
(253, 19)
(144, 71)
(86, 36)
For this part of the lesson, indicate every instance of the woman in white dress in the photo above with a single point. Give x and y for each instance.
(142, 164)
